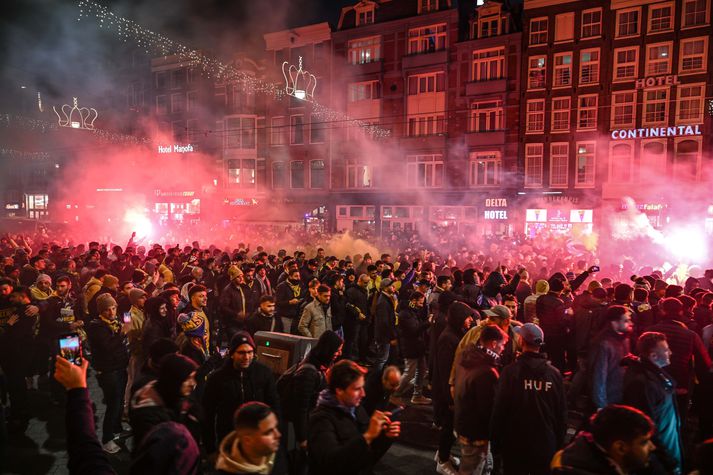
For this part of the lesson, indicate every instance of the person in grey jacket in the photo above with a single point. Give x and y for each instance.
(611, 347)
(317, 315)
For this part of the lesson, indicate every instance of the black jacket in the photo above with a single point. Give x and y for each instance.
(583, 457)
(549, 309)
(412, 333)
(226, 389)
(445, 351)
(476, 380)
(109, 350)
(283, 295)
(530, 400)
(359, 298)
(588, 322)
(336, 444)
(385, 320)
(85, 454)
(338, 304)
(258, 322)
(52, 322)
(307, 383)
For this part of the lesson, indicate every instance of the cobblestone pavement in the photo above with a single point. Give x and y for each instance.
(41, 449)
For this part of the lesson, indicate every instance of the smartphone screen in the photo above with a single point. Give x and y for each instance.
(70, 348)
(127, 317)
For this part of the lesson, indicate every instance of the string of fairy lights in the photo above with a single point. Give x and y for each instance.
(154, 43)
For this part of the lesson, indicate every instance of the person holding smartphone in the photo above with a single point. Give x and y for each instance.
(107, 337)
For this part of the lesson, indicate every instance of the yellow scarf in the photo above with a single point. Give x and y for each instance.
(114, 325)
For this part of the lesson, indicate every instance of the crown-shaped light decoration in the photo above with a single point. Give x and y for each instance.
(299, 83)
(76, 117)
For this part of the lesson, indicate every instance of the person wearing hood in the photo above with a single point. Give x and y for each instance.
(529, 312)
(251, 447)
(551, 316)
(618, 443)
(164, 399)
(530, 400)
(159, 323)
(495, 285)
(264, 319)
(476, 380)
(459, 320)
(110, 285)
(342, 438)
(649, 388)
(240, 379)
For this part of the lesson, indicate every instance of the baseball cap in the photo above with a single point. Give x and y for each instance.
(531, 333)
(498, 311)
(385, 283)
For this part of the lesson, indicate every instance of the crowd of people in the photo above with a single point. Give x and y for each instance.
(503, 342)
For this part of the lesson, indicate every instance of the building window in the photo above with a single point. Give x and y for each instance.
(658, 59)
(587, 112)
(365, 15)
(538, 31)
(425, 6)
(661, 17)
(561, 113)
(585, 164)
(364, 91)
(317, 129)
(241, 173)
(161, 80)
(589, 67)
(364, 50)
(535, 116)
(426, 124)
(591, 23)
(426, 83)
(563, 70)
(488, 64)
(178, 103)
(694, 52)
(627, 22)
(488, 26)
(424, 171)
(484, 168)
(358, 175)
(297, 130)
(690, 104)
(533, 165)
(687, 158)
(626, 63)
(161, 105)
(178, 130)
(317, 174)
(192, 129)
(695, 13)
(240, 132)
(178, 78)
(623, 109)
(621, 162)
(297, 174)
(486, 116)
(536, 74)
(279, 175)
(653, 155)
(278, 131)
(427, 39)
(191, 101)
(559, 165)
(655, 107)
(564, 27)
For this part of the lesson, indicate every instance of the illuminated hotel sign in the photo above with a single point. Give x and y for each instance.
(496, 213)
(175, 148)
(677, 131)
(670, 80)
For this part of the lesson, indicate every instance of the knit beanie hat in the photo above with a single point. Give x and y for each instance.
(104, 301)
(110, 281)
(135, 295)
(542, 287)
(241, 338)
(234, 272)
(167, 448)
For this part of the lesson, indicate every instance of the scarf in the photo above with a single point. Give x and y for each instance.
(296, 289)
(114, 325)
(328, 399)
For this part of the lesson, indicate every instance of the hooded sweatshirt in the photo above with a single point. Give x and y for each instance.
(476, 379)
(232, 460)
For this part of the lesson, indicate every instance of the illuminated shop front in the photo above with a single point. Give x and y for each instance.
(37, 206)
(176, 206)
(558, 220)
(356, 218)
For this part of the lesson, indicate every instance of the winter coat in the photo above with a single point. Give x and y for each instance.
(685, 346)
(109, 350)
(85, 454)
(443, 356)
(588, 322)
(607, 374)
(231, 460)
(338, 306)
(359, 298)
(315, 319)
(530, 400)
(652, 390)
(412, 333)
(476, 380)
(283, 294)
(307, 382)
(385, 320)
(336, 443)
(259, 322)
(227, 389)
(549, 309)
(583, 457)
(233, 305)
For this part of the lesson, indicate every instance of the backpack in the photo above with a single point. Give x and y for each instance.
(285, 386)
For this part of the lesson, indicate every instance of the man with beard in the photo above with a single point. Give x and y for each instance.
(233, 303)
(251, 288)
(618, 443)
(264, 319)
(610, 348)
(289, 296)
